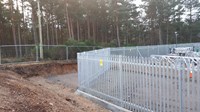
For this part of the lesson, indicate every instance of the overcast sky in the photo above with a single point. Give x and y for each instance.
(138, 2)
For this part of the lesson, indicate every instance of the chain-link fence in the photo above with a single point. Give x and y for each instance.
(139, 82)
(147, 51)
(28, 53)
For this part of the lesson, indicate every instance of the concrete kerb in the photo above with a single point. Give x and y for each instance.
(103, 103)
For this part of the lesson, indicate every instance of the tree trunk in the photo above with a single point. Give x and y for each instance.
(88, 28)
(72, 28)
(24, 25)
(34, 24)
(117, 29)
(15, 41)
(139, 36)
(56, 31)
(78, 31)
(19, 31)
(48, 40)
(112, 32)
(68, 21)
(94, 32)
(52, 34)
(61, 40)
(160, 36)
(101, 33)
(13, 27)
(19, 37)
(167, 32)
(190, 22)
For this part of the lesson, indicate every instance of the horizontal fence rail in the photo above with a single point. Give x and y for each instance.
(141, 83)
(28, 53)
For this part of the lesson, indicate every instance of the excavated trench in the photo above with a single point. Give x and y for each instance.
(27, 70)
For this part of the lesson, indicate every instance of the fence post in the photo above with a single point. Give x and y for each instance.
(120, 80)
(36, 48)
(124, 51)
(0, 55)
(148, 52)
(87, 70)
(181, 87)
(78, 64)
(67, 52)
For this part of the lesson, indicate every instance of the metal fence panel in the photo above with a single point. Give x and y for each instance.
(27, 53)
(141, 83)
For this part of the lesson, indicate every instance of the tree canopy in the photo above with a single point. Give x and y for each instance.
(104, 22)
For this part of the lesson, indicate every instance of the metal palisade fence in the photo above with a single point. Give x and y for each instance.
(141, 83)
(30, 53)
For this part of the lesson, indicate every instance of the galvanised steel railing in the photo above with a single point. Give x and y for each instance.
(28, 53)
(141, 83)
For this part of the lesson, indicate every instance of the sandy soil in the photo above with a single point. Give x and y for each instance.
(36, 94)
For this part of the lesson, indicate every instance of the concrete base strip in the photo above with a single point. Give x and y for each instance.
(105, 104)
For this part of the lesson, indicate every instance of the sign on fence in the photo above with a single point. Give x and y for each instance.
(101, 62)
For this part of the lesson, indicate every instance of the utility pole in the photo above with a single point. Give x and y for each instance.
(40, 30)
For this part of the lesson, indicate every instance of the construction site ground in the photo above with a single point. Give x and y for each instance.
(42, 87)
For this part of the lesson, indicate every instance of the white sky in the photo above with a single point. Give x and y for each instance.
(138, 2)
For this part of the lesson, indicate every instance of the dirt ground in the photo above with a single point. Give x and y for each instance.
(25, 88)
(42, 68)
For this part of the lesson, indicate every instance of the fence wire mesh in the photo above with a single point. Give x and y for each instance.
(28, 53)
(130, 78)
